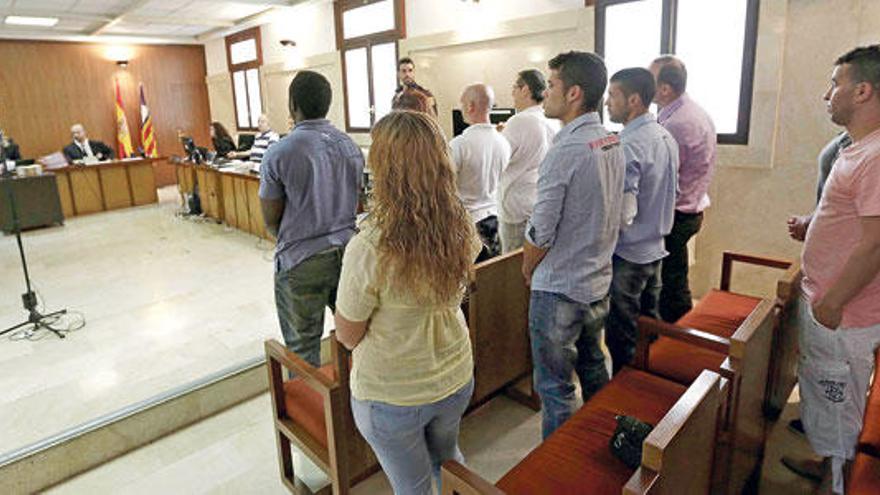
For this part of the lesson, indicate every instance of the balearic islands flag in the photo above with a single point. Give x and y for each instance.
(123, 137)
(148, 139)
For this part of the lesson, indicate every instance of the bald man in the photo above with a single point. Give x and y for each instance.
(480, 153)
(82, 147)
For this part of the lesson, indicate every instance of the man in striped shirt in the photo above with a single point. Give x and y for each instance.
(267, 137)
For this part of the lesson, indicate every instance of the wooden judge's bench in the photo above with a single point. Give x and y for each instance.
(105, 186)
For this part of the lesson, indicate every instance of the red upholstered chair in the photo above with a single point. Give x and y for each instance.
(313, 412)
(742, 357)
(676, 459)
(864, 478)
(869, 440)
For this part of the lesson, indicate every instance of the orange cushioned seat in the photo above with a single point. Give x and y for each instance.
(719, 313)
(576, 458)
(869, 439)
(305, 405)
(864, 479)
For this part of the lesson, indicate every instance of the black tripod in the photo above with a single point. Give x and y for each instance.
(29, 298)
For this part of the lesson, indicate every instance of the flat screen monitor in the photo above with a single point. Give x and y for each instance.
(496, 116)
(245, 141)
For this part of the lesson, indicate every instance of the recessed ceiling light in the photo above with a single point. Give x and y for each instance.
(31, 21)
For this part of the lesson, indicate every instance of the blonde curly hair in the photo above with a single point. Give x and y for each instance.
(426, 236)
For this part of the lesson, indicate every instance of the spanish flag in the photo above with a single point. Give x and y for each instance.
(148, 140)
(123, 137)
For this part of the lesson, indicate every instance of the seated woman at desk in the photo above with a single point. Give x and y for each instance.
(222, 141)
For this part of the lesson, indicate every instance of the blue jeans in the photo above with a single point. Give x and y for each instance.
(635, 291)
(565, 340)
(411, 442)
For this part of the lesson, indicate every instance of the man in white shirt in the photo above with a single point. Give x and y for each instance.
(530, 135)
(480, 153)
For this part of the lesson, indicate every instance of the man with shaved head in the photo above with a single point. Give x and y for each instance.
(82, 147)
(480, 153)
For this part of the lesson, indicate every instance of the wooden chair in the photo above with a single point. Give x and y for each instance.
(743, 358)
(497, 312)
(864, 478)
(313, 412)
(577, 459)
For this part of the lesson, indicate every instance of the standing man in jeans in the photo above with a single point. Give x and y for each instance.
(694, 131)
(570, 238)
(649, 207)
(309, 183)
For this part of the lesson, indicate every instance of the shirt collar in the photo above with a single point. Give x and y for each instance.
(637, 122)
(534, 109)
(479, 126)
(312, 123)
(670, 109)
(590, 118)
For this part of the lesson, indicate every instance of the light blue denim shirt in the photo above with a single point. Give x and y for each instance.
(652, 175)
(577, 211)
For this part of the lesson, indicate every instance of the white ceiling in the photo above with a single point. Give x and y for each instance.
(175, 21)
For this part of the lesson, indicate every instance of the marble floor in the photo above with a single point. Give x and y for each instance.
(166, 300)
(234, 453)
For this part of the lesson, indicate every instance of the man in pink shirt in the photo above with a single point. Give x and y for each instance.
(840, 317)
(694, 132)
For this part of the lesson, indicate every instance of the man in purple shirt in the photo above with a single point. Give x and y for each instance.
(694, 132)
(309, 185)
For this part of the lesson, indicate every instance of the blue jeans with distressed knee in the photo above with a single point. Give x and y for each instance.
(565, 341)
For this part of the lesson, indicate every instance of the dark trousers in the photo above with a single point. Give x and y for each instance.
(488, 230)
(301, 294)
(675, 296)
(635, 291)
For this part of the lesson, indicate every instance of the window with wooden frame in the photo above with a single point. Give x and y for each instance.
(366, 35)
(715, 40)
(244, 55)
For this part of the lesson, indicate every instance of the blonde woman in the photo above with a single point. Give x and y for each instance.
(403, 279)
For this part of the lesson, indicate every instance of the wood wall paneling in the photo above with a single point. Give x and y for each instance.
(63, 181)
(241, 204)
(143, 184)
(227, 185)
(85, 184)
(114, 186)
(56, 84)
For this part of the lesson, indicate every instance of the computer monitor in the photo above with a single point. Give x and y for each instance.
(245, 142)
(496, 116)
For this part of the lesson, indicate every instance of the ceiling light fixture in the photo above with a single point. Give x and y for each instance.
(31, 21)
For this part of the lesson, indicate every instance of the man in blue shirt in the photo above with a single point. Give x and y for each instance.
(570, 238)
(649, 209)
(309, 185)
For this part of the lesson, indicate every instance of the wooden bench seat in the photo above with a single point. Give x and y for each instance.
(576, 458)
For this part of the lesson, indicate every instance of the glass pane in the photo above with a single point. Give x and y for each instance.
(384, 58)
(714, 69)
(373, 18)
(241, 104)
(256, 103)
(243, 51)
(358, 98)
(632, 38)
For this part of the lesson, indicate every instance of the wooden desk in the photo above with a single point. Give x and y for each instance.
(226, 195)
(105, 186)
(36, 202)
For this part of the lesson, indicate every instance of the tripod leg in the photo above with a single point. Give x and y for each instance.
(42, 324)
(14, 328)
